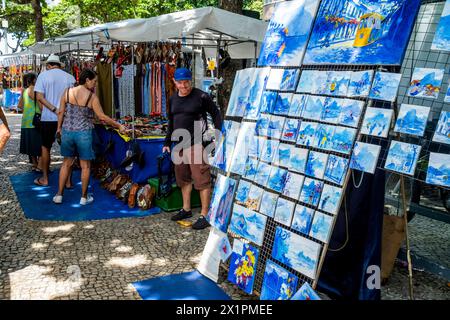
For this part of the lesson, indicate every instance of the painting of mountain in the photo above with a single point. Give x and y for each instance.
(385, 86)
(298, 103)
(323, 136)
(283, 79)
(402, 157)
(269, 151)
(426, 83)
(283, 104)
(336, 83)
(268, 99)
(285, 40)
(321, 227)
(290, 130)
(221, 202)
(225, 149)
(363, 32)
(438, 172)
(257, 145)
(331, 110)
(243, 142)
(315, 167)
(441, 39)
(307, 81)
(276, 125)
(412, 119)
(262, 173)
(239, 95)
(277, 179)
(343, 139)
(251, 168)
(243, 266)
(296, 252)
(305, 293)
(284, 211)
(262, 125)
(293, 185)
(377, 122)
(302, 219)
(442, 133)
(311, 191)
(283, 155)
(306, 133)
(298, 160)
(248, 224)
(268, 203)
(351, 112)
(336, 169)
(242, 192)
(365, 157)
(278, 283)
(313, 108)
(360, 83)
(330, 199)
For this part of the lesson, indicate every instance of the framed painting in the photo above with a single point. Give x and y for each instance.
(402, 157)
(365, 157)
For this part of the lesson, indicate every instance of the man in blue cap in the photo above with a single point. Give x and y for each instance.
(188, 108)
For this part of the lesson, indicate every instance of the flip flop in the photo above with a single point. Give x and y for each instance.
(38, 182)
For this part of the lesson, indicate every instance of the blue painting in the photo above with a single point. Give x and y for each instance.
(225, 149)
(302, 219)
(343, 139)
(360, 83)
(251, 168)
(221, 202)
(256, 147)
(330, 199)
(298, 103)
(243, 191)
(296, 252)
(285, 40)
(447, 94)
(351, 112)
(313, 108)
(262, 173)
(402, 157)
(268, 203)
(244, 140)
(426, 83)
(311, 191)
(297, 162)
(290, 130)
(385, 86)
(336, 169)
(305, 293)
(248, 224)
(277, 179)
(315, 167)
(293, 185)
(365, 157)
(254, 197)
(259, 81)
(269, 151)
(438, 172)
(441, 39)
(310, 81)
(323, 136)
(442, 133)
(240, 92)
(276, 126)
(321, 227)
(283, 79)
(268, 100)
(262, 125)
(243, 266)
(278, 283)
(331, 110)
(336, 83)
(283, 155)
(377, 122)
(283, 104)
(364, 32)
(412, 119)
(284, 211)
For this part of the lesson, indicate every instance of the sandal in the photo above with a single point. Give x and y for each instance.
(38, 182)
(132, 196)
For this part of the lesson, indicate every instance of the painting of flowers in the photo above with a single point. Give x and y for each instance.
(242, 270)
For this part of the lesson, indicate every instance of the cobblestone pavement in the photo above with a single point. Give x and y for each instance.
(100, 259)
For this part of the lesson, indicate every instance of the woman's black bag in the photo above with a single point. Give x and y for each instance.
(37, 116)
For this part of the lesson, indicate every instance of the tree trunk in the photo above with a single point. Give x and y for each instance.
(39, 33)
(229, 72)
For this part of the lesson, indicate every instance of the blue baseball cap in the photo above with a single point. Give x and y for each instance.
(182, 74)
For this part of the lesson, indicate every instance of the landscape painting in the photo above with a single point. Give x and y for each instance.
(277, 179)
(313, 108)
(225, 149)
(268, 203)
(259, 81)
(262, 173)
(269, 150)
(284, 211)
(296, 252)
(447, 94)
(221, 202)
(323, 136)
(412, 119)
(293, 185)
(311, 191)
(254, 197)
(306, 133)
(426, 83)
(336, 169)
(315, 167)
(243, 265)
(239, 95)
(283, 155)
(286, 39)
(385, 86)
(438, 172)
(351, 112)
(307, 81)
(268, 99)
(402, 157)
(330, 199)
(282, 79)
(343, 139)
(276, 126)
(297, 162)
(251, 168)
(290, 130)
(257, 146)
(331, 110)
(306, 293)
(365, 157)
(364, 32)
(360, 83)
(441, 39)
(248, 224)
(302, 219)
(242, 192)
(262, 125)
(442, 133)
(243, 143)
(298, 103)
(321, 227)
(336, 84)
(377, 122)
(278, 283)
(282, 104)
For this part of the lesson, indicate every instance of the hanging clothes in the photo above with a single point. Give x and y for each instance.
(163, 90)
(126, 91)
(104, 88)
(137, 91)
(146, 90)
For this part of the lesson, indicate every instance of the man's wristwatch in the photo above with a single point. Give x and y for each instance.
(54, 110)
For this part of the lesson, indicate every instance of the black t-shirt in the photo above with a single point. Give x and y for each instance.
(186, 111)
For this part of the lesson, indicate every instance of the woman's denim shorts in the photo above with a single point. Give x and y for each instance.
(77, 143)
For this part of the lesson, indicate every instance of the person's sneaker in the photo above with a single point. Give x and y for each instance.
(181, 215)
(57, 199)
(88, 200)
(201, 223)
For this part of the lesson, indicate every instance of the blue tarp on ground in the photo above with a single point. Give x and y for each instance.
(185, 286)
(37, 203)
